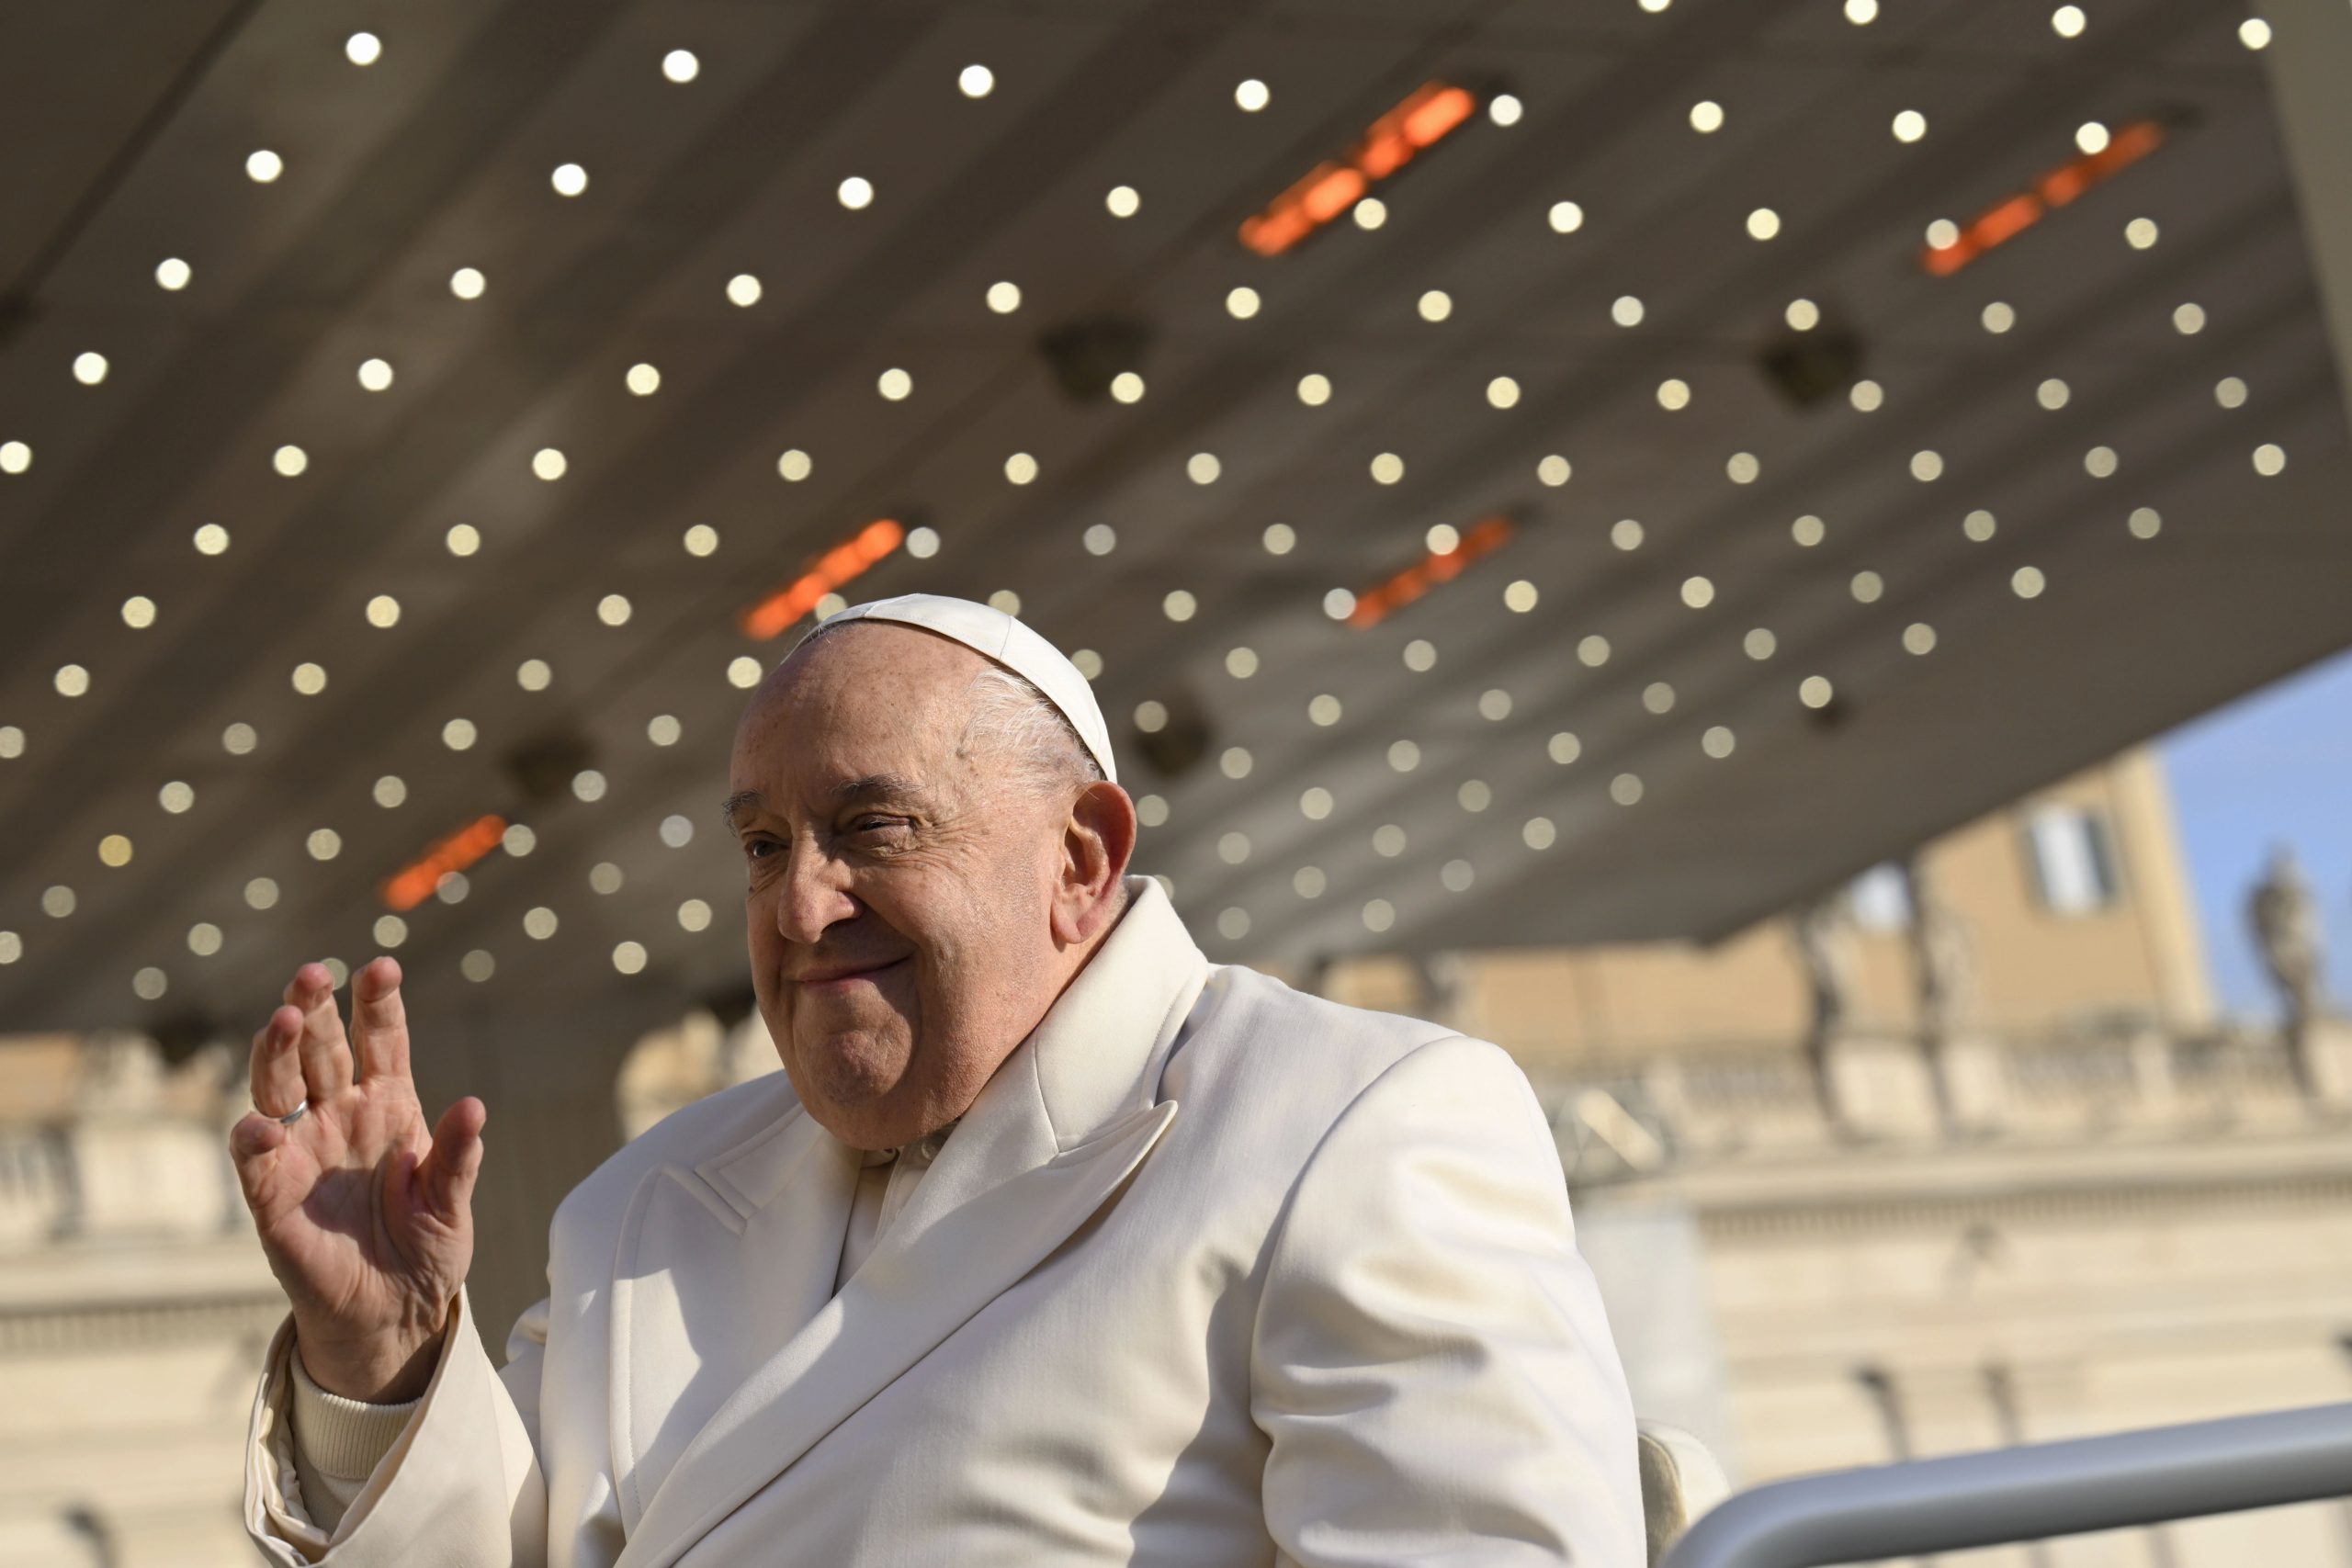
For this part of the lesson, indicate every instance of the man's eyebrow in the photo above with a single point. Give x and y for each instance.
(890, 786)
(869, 786)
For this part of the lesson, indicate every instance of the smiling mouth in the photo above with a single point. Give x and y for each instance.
(845, 977)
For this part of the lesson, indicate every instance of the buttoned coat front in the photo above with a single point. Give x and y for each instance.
(1213, 1272)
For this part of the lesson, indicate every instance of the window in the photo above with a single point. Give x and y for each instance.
(2072, 859)
(1881, 898)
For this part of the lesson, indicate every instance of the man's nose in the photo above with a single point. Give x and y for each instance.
(816, 895)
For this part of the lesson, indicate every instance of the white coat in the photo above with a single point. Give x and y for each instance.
(1213, 1272)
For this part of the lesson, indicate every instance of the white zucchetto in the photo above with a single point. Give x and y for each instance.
(1005, 639)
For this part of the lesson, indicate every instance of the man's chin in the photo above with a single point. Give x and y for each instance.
(851, 1070)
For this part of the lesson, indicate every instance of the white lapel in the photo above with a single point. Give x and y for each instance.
(717, 1267)
(1058, 1128)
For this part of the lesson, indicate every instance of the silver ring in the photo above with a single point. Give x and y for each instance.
(294, 1115)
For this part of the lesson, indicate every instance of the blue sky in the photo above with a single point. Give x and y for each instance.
(2274, 767)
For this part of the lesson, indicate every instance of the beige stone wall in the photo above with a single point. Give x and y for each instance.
(2039, 969)
(124, 1394)
(2110, 1288)
(134, 1305)
(2037, 972)
(1620, 998)
(2161, 892)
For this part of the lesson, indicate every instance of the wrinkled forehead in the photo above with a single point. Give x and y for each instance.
(867, 697)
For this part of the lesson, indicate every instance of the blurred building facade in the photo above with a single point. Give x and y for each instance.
(1961, 1156)
(2073, 904)
(134, 1306)
(2021, 1184)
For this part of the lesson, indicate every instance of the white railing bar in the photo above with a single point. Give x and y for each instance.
(2029, 1492)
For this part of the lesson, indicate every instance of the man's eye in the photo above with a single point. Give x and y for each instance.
(753, 847)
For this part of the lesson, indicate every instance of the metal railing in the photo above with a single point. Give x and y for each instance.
(2029, 1492)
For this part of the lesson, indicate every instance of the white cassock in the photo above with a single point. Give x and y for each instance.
(1212, 1272)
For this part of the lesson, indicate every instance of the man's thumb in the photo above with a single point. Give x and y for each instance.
(446, 1178)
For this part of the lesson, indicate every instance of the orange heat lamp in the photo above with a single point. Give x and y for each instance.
(2007, 220)
(1376, 603)
(415, 883)
(1433, 111)
(834, 570)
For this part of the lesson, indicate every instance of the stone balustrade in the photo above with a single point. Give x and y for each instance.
(1627, 1114)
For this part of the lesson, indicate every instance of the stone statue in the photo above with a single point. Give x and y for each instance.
(122, 1075)
(1443, 981)
(1946, 958)
(1945, 962)
(2285, 917)
(1823, 934)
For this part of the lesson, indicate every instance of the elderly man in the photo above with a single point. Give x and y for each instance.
(1053, 1243)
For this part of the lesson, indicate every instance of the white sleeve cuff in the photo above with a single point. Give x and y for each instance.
(337, 1444)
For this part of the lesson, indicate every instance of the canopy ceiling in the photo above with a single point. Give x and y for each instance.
(1701, 789)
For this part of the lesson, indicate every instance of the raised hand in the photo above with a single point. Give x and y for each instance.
(366, 1217)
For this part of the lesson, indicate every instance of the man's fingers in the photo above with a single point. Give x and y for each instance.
(326, 1053)
(276, 1070)
(446, 1178)
(255, 1136)
(251, 1141)
(379, 1020)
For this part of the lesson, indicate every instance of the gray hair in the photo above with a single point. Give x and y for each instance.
(1010, 717)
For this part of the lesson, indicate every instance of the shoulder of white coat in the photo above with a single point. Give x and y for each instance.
(687, 1136)
(1252, 1033)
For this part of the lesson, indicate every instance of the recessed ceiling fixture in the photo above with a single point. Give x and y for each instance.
(1433, 111)
(1088, 354)
(2005, 220)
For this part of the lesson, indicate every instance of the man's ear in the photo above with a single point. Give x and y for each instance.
(1098, 841)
